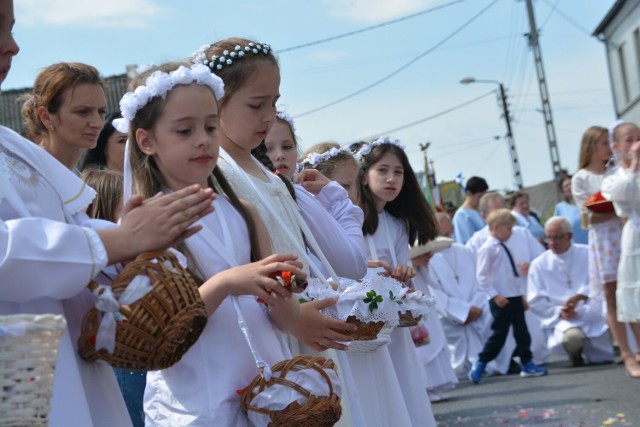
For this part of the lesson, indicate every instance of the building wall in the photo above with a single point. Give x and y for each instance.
(622, 43)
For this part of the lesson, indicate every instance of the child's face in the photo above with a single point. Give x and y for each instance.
(602, 150)
(114, 151)
(625, 136)
(281, 149)
(184, 140)
(346, 174)
(8, 46)
(248, 115)
(385, 179)
(502, 232)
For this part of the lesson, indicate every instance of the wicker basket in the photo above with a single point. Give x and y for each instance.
(407, 320)
(366, 330)
(28, 350)
(316, 412)
(160, 327)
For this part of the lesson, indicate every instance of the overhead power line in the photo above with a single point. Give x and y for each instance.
(372, 27)
(433, 116)
(393, 73)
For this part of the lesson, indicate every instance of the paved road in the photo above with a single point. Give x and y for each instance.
(568, 397)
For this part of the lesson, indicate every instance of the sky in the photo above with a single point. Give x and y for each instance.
(418, 61)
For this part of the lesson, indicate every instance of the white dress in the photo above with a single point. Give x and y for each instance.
(604, 238)
(554, 278)
(391, 242)
(48, 254)
(623, 188)
(452, 280)
(201, 389)
(276, 207)
(435, 356)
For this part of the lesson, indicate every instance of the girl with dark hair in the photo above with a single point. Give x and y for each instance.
(396, 215)
(109, 150)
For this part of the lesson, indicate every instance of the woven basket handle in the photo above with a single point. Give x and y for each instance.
(263, 367)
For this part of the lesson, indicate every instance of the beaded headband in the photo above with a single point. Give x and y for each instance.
(366, 148)
(287, 118)
(218, 62)
(314, 159)
(159, 83)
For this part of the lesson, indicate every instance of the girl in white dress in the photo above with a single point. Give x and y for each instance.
(605, 230)
(50, 250)
(396, 215)
(382, 406)
(174, 143)
(247, 112)
(623, 188)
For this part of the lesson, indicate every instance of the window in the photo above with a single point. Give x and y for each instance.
(623, 73)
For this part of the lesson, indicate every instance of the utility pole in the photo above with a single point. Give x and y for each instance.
(544, 93)
(427, 185)
(513, 153)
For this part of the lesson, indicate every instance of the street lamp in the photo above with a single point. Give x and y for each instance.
(517, 175)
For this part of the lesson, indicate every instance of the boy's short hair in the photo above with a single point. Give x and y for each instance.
(501, 217)
(476, 185)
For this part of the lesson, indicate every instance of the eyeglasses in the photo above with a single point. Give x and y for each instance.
(558, 237)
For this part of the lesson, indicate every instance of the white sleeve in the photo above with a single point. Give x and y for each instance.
(580, 190)
(621, 187)
(483, 270)
(336, 224)
(538, 297)
(44, 258)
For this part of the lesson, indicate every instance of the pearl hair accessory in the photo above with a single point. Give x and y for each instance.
(228, 57)
(366, 148)
(158, 84)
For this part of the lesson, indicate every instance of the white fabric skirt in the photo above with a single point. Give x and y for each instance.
(604, 254)
(628, 290)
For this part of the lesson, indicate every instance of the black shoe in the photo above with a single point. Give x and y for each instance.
(576, 360)
(514, 368)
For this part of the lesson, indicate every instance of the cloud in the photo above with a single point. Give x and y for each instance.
(327, 55)
(371, 11)
(88, 14)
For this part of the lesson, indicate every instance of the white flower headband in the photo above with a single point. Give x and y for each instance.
(366, 148)
(159, 84)
(314, 159)
(218, 62)
(287, 118)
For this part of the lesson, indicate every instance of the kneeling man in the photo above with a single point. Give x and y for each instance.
(558, 289)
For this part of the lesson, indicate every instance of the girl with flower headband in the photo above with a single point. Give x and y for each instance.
(336, 163)
(396, 215)
(50, 249)
(247, 112)
(173, 117)
(605, 230)
(623, 188)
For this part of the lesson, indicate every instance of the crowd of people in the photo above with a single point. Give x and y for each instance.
(199, 160)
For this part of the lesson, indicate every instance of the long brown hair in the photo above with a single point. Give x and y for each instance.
(588, 144)
(148, 179)
(410, 206)
(108, 185)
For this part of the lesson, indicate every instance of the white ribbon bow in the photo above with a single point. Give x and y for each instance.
(109, 306)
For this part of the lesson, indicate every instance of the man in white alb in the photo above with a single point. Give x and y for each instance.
(462, 306)
(558, 292)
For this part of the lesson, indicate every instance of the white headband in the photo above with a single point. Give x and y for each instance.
(287, 118)
(159, 84)
(228, 57)
(366, 148)
(314, 159)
